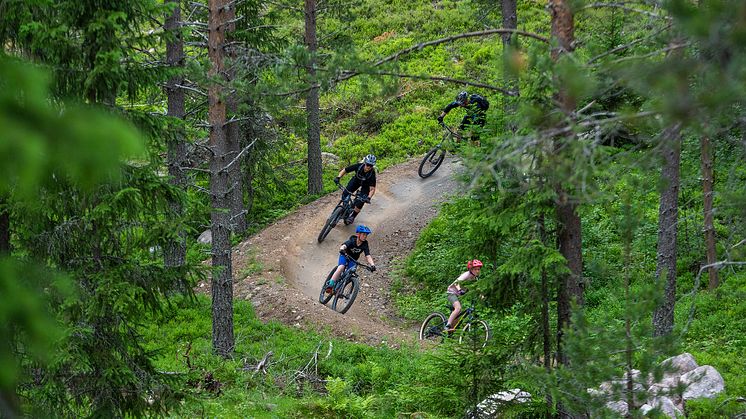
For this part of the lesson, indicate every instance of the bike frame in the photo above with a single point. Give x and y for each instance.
(347, 204)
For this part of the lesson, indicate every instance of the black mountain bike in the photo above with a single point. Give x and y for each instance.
(343, 210)
(468, 326)
(434, 158)
(344, 291)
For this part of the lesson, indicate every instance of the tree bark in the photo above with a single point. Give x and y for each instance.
(510, 20)
(708, 180)
(222, 275)
(175, 251)
(233, 136)
(569, 236)
(5, 247)
(315, 181)
(668, 214)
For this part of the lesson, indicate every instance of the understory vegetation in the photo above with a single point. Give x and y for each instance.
(94, 322)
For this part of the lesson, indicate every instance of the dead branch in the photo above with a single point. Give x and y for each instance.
(695, 288)
(186, 355)
(264, 363)
(624, 7)
(445, 79)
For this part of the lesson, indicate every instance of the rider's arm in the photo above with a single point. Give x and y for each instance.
(372, 192)
(342, 172)
(463, 277)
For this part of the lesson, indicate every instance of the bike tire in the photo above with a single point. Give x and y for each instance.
(330, 223)
(346, 295)
(431, 162)
(433, 326)
(324, 296)
(478, 331)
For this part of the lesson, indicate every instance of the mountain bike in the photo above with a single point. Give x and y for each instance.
(344, 291)
(468, 326)
(344, 209)
(434, 158)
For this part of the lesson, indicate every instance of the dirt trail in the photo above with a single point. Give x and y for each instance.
(280, 269)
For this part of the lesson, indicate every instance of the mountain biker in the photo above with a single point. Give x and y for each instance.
(454, 290)
(476, 111)
(365, 179)
(350, 251)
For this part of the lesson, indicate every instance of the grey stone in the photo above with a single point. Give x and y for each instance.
(618, 407)
(205, 237)
(664, 404)
(701, 382)
(679, 365)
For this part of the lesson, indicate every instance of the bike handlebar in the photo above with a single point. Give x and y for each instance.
(355, 194)
(344, 252)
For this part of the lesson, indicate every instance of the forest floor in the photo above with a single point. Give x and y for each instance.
(281, 269)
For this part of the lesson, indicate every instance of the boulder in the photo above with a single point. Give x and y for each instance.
(618, 407)
(701, 382)
(679, 365)
(664, 404)
(205, 237)
(489, 406)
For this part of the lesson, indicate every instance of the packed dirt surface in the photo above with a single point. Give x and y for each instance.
(281, 269)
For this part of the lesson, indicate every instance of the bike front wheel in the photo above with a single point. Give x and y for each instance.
(346, 295)
(324, 296)
(433, 328)
(431, 162)
(330, 223)
(477, 333)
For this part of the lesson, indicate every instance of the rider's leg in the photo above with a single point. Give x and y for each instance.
(358, 205)
(456, 310)
(341, 265)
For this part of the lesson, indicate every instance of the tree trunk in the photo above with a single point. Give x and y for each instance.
(4, 227)
(510, 21)
(708, 180)
(233, 136)
(668, 213)
(569, 236)
(222, 275)
(546, 331)
(175, 251)
(315, 181)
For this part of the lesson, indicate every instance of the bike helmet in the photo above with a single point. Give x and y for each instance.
(370, 159)
(462, 97)
(362, 229)
(474, 264)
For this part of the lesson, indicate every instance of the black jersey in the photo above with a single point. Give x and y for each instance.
(477, 105)
(353, 250)
(362, 178)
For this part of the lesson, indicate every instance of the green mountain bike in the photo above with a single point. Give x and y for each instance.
(468, 326)
(434, 158)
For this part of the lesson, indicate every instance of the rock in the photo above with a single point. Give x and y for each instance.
(666, 387)
(703, 381)
(618, 407)
(679, 365)
(489, 406)
(664, 404)
(205, 237)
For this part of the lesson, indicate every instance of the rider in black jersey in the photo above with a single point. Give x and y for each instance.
(365, 179)
(350, 251)
(476, 111)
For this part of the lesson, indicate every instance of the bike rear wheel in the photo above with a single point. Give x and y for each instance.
(346, 295)
(433, 327)
(431, 162)
(324, 296)
(477, 333)
(330, 223)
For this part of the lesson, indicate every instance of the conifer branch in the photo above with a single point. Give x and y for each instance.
(624, 7)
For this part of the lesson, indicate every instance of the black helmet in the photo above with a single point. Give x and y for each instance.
(462, 97)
